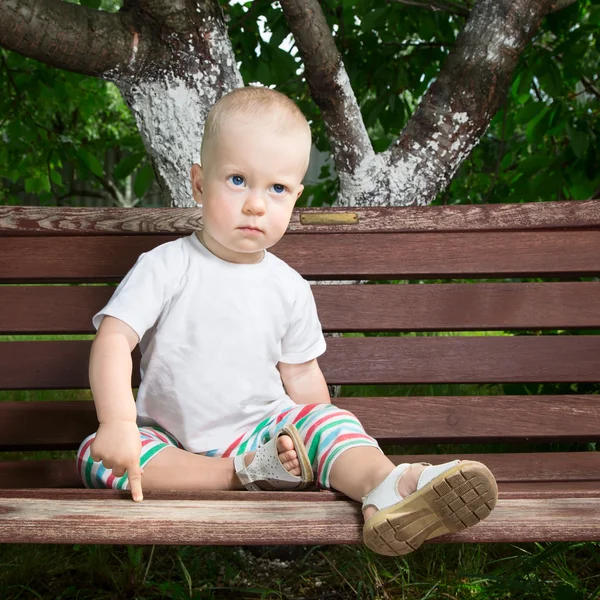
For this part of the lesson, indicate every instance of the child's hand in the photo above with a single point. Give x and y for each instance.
(117, 444)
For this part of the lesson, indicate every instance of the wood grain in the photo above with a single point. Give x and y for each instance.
(360, 360)
(362, 308)
(110, 221)
(540, 470)
(328, 256)
(432, 419)
(195, 522)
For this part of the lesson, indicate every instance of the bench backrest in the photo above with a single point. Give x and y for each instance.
(44, 251)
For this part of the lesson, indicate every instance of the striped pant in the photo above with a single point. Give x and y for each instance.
(327, 432)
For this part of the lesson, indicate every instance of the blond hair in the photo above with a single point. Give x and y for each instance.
(273, 108)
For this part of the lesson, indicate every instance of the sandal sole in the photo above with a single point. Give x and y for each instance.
(458, 498)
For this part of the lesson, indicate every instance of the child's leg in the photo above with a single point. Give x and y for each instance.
(404, 505)
(359, 470)
(168, 467)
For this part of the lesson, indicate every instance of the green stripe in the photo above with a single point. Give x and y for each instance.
(166, 434)
(314, 445)
(325, 471)
(88, 472)
(144, 460)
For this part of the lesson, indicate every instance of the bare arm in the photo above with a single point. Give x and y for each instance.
(110, 371)
(117, 443)
(305, 383)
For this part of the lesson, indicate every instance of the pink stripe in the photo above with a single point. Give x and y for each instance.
(110, 480)
(342, 438)
(314, 426)
(82, 454)
(307, 409)
(283, 415)
(232, 447)
(161, 437)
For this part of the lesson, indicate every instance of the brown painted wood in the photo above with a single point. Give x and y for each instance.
(531, 469)
(508, 490)
(82, 221)
(431, 307)
(451, 359)
(437, 419)
(51, 309)
(199, 522)
(328, 256)
(45, 425)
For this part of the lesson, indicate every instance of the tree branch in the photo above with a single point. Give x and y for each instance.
(469, 90)
(464, 10)
(438, 5)
(329, 84)
(560, 4)
(590, 88)
(66, 36)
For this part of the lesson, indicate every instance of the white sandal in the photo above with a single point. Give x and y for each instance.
(449, 497)
(266, 472)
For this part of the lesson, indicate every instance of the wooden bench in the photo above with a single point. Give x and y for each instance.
(544, 495)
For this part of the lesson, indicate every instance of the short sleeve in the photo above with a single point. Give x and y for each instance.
(304, 338)
(142, 294)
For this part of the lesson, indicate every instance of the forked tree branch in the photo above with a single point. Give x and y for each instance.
(328, 82)
(66, 36)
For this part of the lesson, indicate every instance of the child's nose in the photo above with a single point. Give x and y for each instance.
(255, 202)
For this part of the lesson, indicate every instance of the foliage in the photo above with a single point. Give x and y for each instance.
(542, 145)
(461, 571)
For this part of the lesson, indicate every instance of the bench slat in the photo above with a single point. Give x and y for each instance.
(451, 359)
(41, 220)
(195, 522)
(538, 468)
(508, 490)
(447, 419)
(433, 307)
(328, 256)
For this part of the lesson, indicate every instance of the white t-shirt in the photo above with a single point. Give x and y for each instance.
(211, 334)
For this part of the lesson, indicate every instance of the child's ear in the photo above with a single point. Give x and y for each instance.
(300, 190)
(197, 177)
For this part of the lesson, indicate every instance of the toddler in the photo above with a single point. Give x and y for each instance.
(232, 396)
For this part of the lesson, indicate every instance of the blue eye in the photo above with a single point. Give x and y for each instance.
(278, 188)
(236, 180)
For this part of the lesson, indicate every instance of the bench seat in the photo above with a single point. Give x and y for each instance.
(532, 317)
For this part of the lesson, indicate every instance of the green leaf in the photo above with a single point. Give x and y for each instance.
(550, 78)
(56, 177)
(91, 162)
(91, 3)
(128, 165)
(528, 112)
(538, 127)
(594, 15)
(143, 180)
(579, 141)
(534, 164)
(263, 72)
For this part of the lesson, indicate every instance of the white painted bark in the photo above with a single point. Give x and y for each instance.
(171, 105)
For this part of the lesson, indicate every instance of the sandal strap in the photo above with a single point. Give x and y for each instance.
(266, 467)
(431, 472)
(386, 493)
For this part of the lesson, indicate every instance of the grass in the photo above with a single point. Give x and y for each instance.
(560, 571)
(475, 571)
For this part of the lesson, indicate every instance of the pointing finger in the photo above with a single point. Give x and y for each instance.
(135, 484)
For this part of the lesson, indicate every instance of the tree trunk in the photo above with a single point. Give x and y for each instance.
(172, 59)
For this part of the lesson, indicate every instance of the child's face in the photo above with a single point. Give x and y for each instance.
(251, 178)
